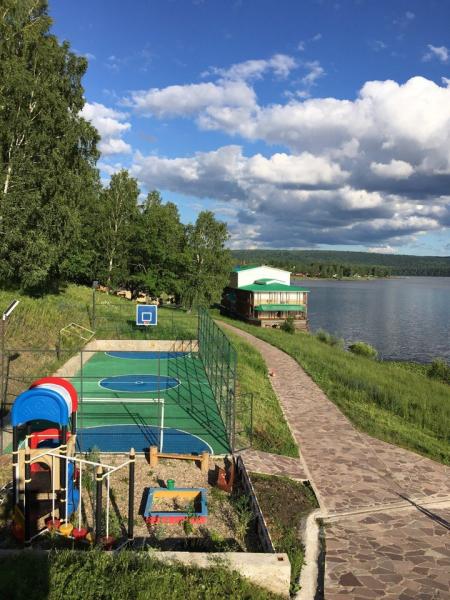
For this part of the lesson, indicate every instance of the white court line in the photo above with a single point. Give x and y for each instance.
(155, 427)
(185, 354)
(94, 400)
(172, 387)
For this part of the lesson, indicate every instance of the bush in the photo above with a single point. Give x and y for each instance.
(329, 338)
(439, 370)
(363, 349)
(288, 325)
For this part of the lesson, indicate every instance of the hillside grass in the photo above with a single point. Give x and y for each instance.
(390, 402)
(124, 576)
(270, 430)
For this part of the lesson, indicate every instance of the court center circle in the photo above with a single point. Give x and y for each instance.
(139, 383)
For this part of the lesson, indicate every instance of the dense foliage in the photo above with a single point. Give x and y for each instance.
(57, 223)
(330, 263)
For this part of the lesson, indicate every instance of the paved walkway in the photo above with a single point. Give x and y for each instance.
(387, 509)
(273, 464)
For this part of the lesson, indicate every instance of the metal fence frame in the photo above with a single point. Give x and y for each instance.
(219, 358)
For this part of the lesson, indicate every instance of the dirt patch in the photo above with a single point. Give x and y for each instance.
(284, 503)
(282, 500)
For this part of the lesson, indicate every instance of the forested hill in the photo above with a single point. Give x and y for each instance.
(326, 263)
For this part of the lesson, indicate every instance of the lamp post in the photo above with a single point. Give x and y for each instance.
(7, 313)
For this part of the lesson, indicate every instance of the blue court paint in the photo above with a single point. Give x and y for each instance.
(120, 438)
(152, 355)
(138, 383)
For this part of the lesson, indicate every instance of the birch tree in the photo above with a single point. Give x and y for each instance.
(47, 151)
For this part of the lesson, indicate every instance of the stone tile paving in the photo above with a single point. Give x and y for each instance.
(272, 464)
(350, 472)
(398, 556)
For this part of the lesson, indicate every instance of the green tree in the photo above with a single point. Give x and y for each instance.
(208, 262)
(162, 247)
(47, 151)
(118, 219)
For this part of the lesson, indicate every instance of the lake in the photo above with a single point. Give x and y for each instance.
(404, 318)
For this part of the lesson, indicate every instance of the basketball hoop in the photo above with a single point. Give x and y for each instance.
(146, 323)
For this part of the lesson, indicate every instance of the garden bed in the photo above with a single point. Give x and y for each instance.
(285, 504)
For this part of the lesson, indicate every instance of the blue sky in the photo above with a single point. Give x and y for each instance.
(302, 123)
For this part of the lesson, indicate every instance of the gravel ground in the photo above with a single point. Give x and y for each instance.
(223, 528)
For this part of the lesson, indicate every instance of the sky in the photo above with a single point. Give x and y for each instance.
(301, 123)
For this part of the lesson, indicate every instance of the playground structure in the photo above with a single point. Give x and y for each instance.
(47, 475)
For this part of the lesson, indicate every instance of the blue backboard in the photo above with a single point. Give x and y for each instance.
(146, 314)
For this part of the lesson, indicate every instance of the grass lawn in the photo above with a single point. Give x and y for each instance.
(270, 430)
(393, 403)
(124, 576)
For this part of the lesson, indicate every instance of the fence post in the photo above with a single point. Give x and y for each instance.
(98, 503)
(94, 316)
(131, 495)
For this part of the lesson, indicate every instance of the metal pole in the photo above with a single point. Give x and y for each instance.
(26, 504)
(15, 457)
(131, 470)
(98, 504)
(94, 315)
(63, 472)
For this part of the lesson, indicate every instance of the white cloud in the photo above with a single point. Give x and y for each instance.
(317, 37)
(315, 72)
(382, 250)
(442, 53)
(111, 126)
(185, 100)
(287, 170)
(280, 64)
(397, 169)
(373, 170)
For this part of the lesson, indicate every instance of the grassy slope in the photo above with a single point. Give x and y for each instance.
(387, 401)
(99, 576)
(270, 430)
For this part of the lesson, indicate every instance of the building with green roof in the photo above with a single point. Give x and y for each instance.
(264, 296)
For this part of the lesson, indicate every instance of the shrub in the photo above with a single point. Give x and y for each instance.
(329, 338)
(363, 349)
(288, 325)
(440, 370)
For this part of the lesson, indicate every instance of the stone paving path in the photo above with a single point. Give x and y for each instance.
(273, 464)
(379, 544)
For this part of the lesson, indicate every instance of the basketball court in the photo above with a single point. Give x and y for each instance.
(149, 398)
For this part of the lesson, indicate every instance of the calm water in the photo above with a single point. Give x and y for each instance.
(405, 318)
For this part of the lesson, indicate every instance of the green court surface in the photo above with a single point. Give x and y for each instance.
(173, 392)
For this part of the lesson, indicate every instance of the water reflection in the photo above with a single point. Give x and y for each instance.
(404, 318)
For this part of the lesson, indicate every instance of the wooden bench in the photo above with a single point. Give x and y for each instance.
(202, 458)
